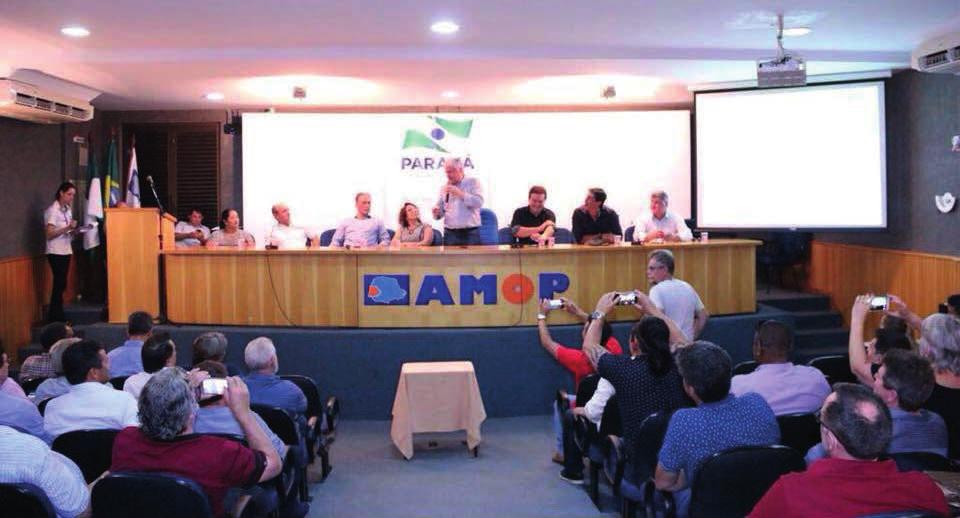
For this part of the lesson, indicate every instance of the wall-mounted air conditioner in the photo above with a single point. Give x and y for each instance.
(940, 54)
(20, 100)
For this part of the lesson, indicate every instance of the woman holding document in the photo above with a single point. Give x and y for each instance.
(60, 229)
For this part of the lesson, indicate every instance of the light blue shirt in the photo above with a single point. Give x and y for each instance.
(463, 212)
(219, 419)
(126, 360)
(271, 390)
(787, 388)
(360, 232)
(922, 431)
(52, 387)
(24, 459)
(20, 413)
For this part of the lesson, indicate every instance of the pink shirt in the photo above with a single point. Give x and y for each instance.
(787, 388)
(11, 387)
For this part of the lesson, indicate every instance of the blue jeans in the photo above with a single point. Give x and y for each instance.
(461, 236)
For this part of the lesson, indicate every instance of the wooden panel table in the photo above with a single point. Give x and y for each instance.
(436, 286)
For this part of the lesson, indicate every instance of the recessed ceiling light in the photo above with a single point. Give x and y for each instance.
(450, 94)
(75, 31)
(214, 96)
(445, 27)
(796, 31)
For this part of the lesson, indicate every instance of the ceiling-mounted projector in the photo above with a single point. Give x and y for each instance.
(784, 71)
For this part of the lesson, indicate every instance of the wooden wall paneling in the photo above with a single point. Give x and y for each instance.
(24, 281)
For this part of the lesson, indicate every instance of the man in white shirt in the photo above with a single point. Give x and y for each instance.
(787, 388)
(90, 404)
(24, 459)
(661, 224)
(676, 298)
(157, 352)
(191, 232)
(285, 236)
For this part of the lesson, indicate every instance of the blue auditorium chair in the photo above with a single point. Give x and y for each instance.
(327, 236)
(562, 236)
(505, 236)
(488, 227)
(147, 495)
(437, 238)
(628, 234)
(26, 501)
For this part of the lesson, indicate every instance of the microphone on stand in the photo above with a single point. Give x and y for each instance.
(153, 189)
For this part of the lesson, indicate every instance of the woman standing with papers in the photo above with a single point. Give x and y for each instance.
(60, 229)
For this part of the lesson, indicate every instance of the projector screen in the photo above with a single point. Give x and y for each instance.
(316, 163)
(811, 158)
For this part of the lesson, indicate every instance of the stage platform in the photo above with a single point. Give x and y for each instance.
(361, 366)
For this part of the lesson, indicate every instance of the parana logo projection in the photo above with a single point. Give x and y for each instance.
(439, 135)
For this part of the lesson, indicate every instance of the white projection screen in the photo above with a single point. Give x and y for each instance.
(810, 158)
(317, 162)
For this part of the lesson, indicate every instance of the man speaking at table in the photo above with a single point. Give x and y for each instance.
(459, 206)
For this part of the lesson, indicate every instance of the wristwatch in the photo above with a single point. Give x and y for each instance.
(541, 316)
(596, 315)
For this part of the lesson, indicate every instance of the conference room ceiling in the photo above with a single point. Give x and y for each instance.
(167, 54)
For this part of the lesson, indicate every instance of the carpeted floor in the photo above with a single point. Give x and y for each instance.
(513, 476)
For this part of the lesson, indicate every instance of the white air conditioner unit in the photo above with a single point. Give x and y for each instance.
(940, 54)
(20, 100)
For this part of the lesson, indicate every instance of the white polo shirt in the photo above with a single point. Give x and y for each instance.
(288, 237)
(679, 301)
(669, 224)
(90, 406)
(59, 217)
(183, 227)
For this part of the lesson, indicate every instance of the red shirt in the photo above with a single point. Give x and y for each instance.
(838, 488)
(215, 463)
(575, 360)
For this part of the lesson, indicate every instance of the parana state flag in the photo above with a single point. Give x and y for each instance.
(441, 134)
(94, 212)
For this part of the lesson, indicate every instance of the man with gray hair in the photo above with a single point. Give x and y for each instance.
(459, 205)
(362, 230)
(165, 441)
(676, 298)
(855, 427)
(266, 388)
(661, 224)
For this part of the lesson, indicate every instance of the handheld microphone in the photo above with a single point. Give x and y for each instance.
(447, 199)
(150, 179)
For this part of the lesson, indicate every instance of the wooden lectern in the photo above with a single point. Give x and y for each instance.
(134, 240)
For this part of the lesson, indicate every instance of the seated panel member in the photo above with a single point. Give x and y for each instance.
(534, 223)
(362, 230)
(230, 233)
(411, 231)
(661, 223)
(192, 232)
(285, 236)
(593, 222)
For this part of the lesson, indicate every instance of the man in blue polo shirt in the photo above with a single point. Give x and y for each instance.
(125, 360)
(719, 422)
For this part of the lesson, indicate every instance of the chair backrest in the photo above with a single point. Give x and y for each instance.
(148, 495)
(30, 386)
(922, 461)
(118, 381)
(643, 454)
(731, 482)
(586, 388)
(795, 246)
(280, 422)
(90, 450)
(903, 514)
(505, 236)
(310, 390)
(42, 406)
(488, 227)
(836, 368)
(25, 501)
(391, 233)
(799, 431)
(628, 234)
(327, 236)
(610, 423)
(437, 238)
(745, 367)
(562, 236)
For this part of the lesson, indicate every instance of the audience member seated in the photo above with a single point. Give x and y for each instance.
(165, 440)
(158, 351)
(191, 233)
(940, 343)
(17, 411)
(904, 383)
(214, 416)
(7, 385)
(646, 382)
(40, 365)
(676, 298)
(572, 359)
(266, 388)
(230, 233)
(410, 230)
(58, 386)
(125, 360)
(856, 429)
(362, 230)
(90, 404)
(787, 388)
(720, 420)
(24, 459)
(212, 346)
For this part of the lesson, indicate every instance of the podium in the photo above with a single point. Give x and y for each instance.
(135, 238)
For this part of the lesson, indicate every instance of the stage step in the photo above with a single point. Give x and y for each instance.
(799, 302)
(817, 319)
